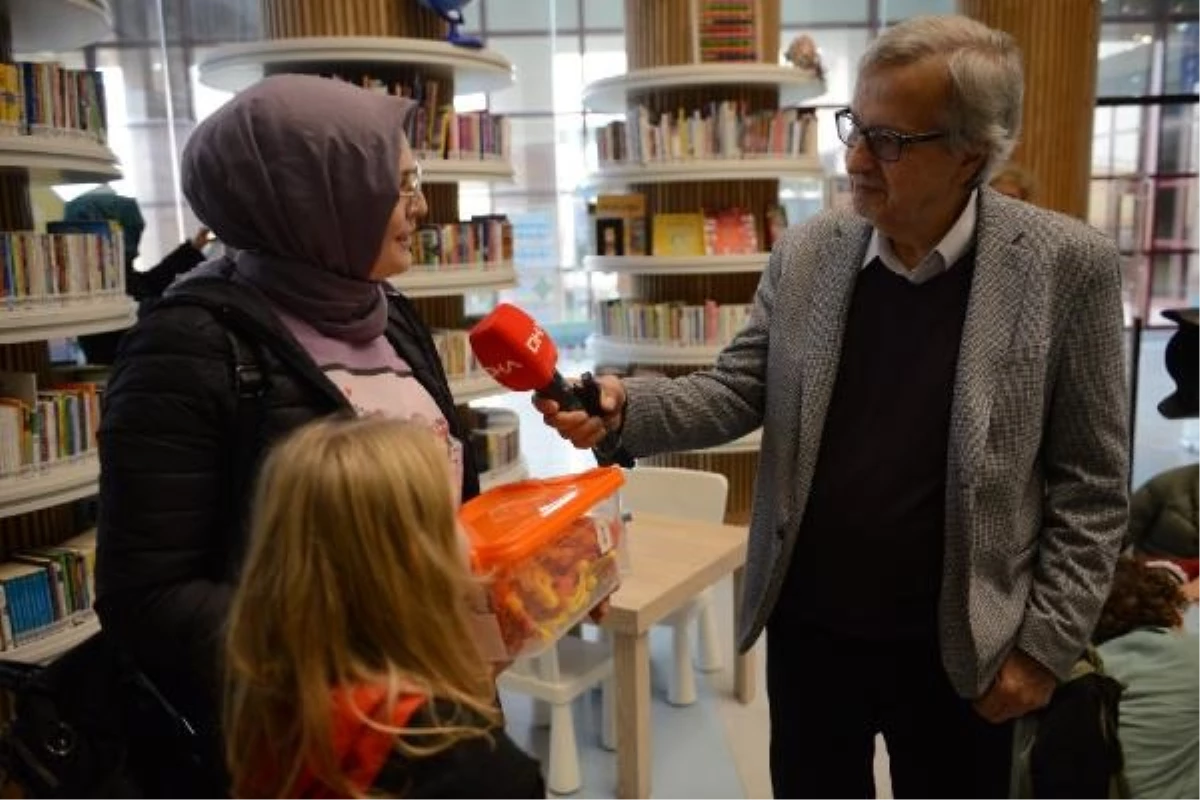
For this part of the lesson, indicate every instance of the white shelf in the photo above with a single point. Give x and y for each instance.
(449, 281)
(608, 349)
(750, 443)
(456, 170)
(74, 318)
(475, 387)
(509, 473)
(677, 265)
(236, 66)
(610, 95)
(54, 159)
(52, 486)
(58, 25)
(710, 169)
(57, 640)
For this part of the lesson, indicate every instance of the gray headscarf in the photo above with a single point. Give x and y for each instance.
(300, 174)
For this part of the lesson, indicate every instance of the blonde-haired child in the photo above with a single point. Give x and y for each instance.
(350, 662)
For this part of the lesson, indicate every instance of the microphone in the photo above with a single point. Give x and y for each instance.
(520, 355)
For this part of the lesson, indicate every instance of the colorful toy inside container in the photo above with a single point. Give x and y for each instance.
(552, 549)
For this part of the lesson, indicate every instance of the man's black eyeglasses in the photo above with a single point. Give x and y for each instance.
(884, 144)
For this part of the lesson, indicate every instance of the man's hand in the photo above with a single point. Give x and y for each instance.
(1022, 685)
(201, 239)
(577, 427)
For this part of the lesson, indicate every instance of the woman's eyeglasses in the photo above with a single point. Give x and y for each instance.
(410, 182)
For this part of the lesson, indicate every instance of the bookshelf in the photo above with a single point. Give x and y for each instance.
(397, 44)
(37, 503)
(667, 77)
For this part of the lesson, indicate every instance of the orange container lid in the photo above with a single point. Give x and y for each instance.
(511, 522)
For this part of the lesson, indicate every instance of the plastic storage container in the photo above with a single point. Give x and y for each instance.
(551, 549)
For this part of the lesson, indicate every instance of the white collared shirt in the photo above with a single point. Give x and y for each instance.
(953, 246)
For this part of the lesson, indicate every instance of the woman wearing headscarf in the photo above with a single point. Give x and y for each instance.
(313, 185)
(102, 204)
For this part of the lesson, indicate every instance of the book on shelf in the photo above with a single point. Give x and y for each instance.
(481, 240)
(43, 588)
(677, 324)
(73, 261)
(47, 99)
(620, 224)
(43, 427)
(726, 30)
(730, 231)
(719, 130)
(678, 234)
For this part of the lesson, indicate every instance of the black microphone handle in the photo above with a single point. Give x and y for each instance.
(560, 392)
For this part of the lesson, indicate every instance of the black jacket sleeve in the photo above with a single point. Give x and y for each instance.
(153, 282)
(166, 519)
(491, 766)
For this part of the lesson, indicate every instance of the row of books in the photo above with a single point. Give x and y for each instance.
(46, 99)
(454, 349)
(727, 30)
(495, 437)
(620, 229)
(720, 130)
(43, 427)
(709, 325)
(480, 240)
(45, 587)
(62, 265)
(435, 129)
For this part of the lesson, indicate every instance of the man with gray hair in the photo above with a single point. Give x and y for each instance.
(941, 490)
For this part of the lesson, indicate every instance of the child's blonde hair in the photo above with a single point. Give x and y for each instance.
(355, 575)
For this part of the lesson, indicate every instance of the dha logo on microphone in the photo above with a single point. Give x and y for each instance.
(536, 337)
(507, 368)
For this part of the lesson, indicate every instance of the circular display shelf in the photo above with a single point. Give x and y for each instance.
(58, 25)
(707, 169)
(234, 67)
(796, 86)
(509, 473)
(451, 281)
(51, 486)
(608, 349)
(455, 170)
(37, 323)
(56, 640)
(677, 265)
(52, 159)
(750, 443)
(474, 387)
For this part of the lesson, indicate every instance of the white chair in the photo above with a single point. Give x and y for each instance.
(690, 494)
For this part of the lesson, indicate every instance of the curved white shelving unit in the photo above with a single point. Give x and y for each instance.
(710, 169)
(609, 349)
(795, 86)
(58, 25)
(509, 473)
(57, 640)
(677, 265)
(52, 486)
(750, 443)
(451, 281)
(60, 159)
(455, 170)
(234, 67)
(474, 388)
(40, 322)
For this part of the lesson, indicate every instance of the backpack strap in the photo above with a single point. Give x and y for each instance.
(250, 382)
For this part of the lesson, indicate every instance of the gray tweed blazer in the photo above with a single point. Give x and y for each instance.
(1036, 498)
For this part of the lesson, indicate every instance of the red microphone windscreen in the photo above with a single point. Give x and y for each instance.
(514, 349)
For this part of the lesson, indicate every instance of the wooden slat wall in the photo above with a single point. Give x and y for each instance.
(659, 33)
(283, 19)
(1060, 91)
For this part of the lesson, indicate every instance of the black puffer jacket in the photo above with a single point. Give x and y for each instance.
(176, 477)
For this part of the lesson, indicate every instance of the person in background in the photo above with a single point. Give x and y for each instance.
(299, 324)
(939, 375)
(102, 204)
(1015, 181)
(390, 698)
(1142, 642)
